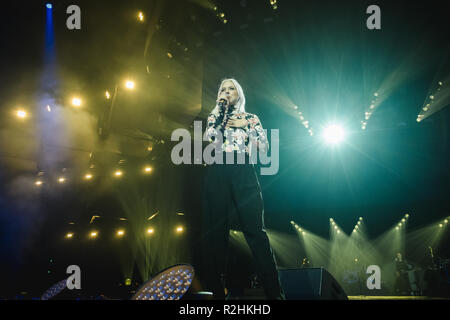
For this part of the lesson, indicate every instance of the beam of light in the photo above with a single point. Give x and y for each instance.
(69, 235)
(150, 231)
(180, 229)
(289, 252)
(108, 95)
(61, 179)
(118, 173)
(333, 134)
(49, 6)
(93, 234)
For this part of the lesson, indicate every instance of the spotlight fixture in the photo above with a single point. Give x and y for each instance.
(179, 229)
(93, 234)
(120, 233)
(69, 235)
(170, 284)
(150, 231)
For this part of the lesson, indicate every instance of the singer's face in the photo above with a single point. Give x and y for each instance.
(229, 92)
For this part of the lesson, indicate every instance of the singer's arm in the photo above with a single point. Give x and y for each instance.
(213, 127)
(257, 133)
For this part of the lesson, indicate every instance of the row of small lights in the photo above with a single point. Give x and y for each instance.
(274, 5)
(369, 111)
(89, 176)
(220, 15)
(121, 232)
(429, 103)
(402, 222)
(305, 122)
(335, 226)
(76, 101)
(444, 223)
(358, 225)
(297, 228)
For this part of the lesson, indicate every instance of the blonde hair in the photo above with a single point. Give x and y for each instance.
(240, 105)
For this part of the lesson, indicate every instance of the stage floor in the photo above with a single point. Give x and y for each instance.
(395, 298)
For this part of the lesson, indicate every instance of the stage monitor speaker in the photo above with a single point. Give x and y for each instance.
(310, 284)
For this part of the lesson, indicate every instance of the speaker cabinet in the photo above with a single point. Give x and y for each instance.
(310, 284)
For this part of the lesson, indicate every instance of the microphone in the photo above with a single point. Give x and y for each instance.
(223, 103)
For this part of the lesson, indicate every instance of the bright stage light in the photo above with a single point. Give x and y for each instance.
(93, 234)
(333, 134)
(61, 180)
(150, 231)
(22, 114)
(148, 169)
(107, 94)
(69, 235)
(118, 173)
(129, 84)
(180, 229)
(440, 225)
(445, 221)
(88, 176)
(141, 16)
(38, 183)
(49, 6)
(120, 233)
(76, 102)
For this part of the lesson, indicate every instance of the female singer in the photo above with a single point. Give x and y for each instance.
(232, 191)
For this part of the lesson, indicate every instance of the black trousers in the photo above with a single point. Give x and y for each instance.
(233, 191)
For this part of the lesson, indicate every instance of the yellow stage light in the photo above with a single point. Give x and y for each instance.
(76, 102)
(88, 176)
(22, 114)
(107, 94)
(38, 183)
(440, 225)
(69, 235)
(93, 234)
(141, 16)
(148, 169)
(129, 84)
(118, 173)
(179, 229)
(445, 221)
(61, 180)
(120, 233)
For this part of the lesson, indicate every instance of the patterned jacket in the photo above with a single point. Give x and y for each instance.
(237, 139)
